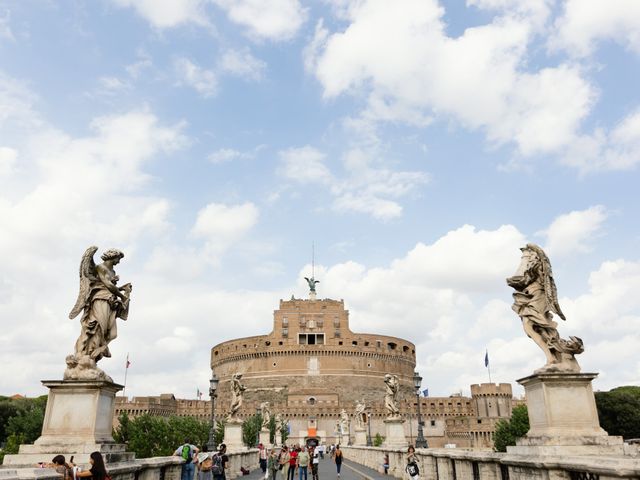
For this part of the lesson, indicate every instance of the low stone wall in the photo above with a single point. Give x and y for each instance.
(156, 468)
(459, 464)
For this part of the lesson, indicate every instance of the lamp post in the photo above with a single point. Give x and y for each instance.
(421, 442)
(259, 427)
(213, 385)
(369, 442)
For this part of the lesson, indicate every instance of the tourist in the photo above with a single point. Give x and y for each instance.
(293, 457)
(187, 452)
(262, 457)
(273, 465)
(337, 457)
(59, 463)
(204, 462)
(220, 463)
(320, 449)
(284, 462)
(97, 470)
(303, 463)
(412, 464)
(385, 463)
(315, 460)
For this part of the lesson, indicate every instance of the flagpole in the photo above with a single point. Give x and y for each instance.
(489, 369)
(126, 369)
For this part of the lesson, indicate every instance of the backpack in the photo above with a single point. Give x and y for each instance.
(217, 468)
(412, 469)
(206, 465)
(186, 453)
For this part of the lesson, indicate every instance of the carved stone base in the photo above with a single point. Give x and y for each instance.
(264, 438)
(344, 439)
(233, 436)
(563, 417)
(395, 437)
(361, 436)
(78, 420)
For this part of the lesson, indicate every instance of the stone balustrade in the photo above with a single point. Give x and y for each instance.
(156, 468)
(460, 464)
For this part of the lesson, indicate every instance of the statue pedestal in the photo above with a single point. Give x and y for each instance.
(78, 420)
(264, 438)
(233, 435)
(563, 417)
(395, 437)
(361, 436)
(344, 439)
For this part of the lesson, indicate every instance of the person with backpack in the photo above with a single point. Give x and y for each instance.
(273, 464)
(204, 464)
(187, 452)
(412, 464)
(220, 463)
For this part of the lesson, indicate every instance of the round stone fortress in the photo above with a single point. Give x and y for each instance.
(311, 366)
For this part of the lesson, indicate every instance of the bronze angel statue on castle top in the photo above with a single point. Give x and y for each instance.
(101, 301)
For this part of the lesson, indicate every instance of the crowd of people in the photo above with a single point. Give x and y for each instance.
(278, 463)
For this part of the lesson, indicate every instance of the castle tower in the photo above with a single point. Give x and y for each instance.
(492, 400)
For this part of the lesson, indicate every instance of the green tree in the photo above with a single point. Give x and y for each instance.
(283, 429)
(619, 411)
(250, 430)
(8, 409)
(121, 433)
(25, 423)
(378, 440)
(508, 431)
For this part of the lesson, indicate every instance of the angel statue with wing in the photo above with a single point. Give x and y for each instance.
(101, 301)
(535, 300)
(312, 283)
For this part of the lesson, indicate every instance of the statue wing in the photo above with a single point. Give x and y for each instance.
(87, 274)
(550, 290)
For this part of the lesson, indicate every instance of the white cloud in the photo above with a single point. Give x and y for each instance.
(243, 64)
(618, 149)
(8, 158)
(586, 22)
(415, 70)
(220, 226)
(112, 85)
(274, 20)
(574, 231)
(304, 165)
(202, 80)
(5, 26)
(168, 13)
(225, 155)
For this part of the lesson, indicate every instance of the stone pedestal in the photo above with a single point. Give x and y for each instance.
(233, 436)
(361, 436)
(395, 437)
(563, 417)
(344, 439)
(78, 420)
(264, 438)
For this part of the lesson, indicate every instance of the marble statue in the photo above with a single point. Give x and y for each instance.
(360, 415)
(237, 390)
(344, 422)
(312, 284)
(266, 415)
(101, 301)
(535, 300)
(391, 396)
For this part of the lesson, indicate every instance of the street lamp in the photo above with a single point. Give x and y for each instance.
(213, 385)
(421, 442)
(259, 427)
(369, 442)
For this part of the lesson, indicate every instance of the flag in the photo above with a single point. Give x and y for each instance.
(128, 362)
(198, 393)
(425, 392)
(486, 358)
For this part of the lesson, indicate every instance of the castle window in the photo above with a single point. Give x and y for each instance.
(267, 343)
(368, 365)
(366, 344)
(391, 345)
(336, 322)
(337, 335)
(405, 349)
(302, 338)
(355, 343)
(340, 343)
(285, 332)
(311, 401)
(279, 343)
(378, 343)
(320, 323)
(285, 322)
(433, 423)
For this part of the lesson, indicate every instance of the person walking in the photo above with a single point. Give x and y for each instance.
(187, 452)
(293, 462)
(285, 456)
(220, 463)
(273, 465)
(303, 464)
(262, 457)
(412, 464)
(385, 463)
(315, 461)
(337, 457)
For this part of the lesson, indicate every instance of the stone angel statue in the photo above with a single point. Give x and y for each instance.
(535, 300)
(360, 415)
(344, 422)
(237, 394)
(265, 412)
(312, 284)
(101, 301)
(391, 396)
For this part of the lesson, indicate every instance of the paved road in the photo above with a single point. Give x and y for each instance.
(327, 471)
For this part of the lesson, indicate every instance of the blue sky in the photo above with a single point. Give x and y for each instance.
(417, 143)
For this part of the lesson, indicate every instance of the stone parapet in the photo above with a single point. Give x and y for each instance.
(459, 464)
